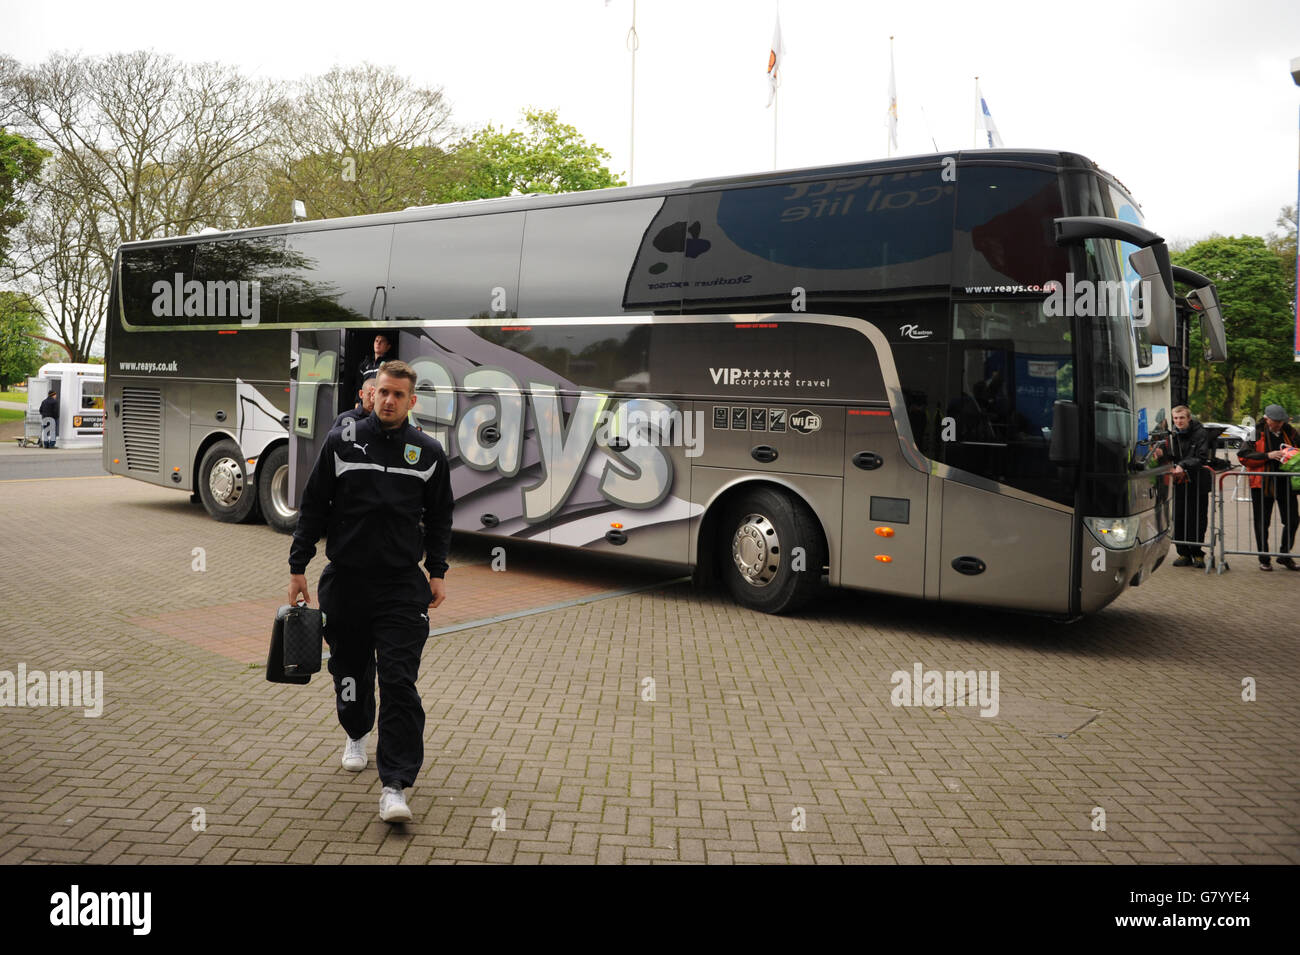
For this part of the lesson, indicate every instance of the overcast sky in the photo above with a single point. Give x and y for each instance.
(1190, 104)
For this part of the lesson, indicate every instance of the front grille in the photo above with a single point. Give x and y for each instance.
(142, 428)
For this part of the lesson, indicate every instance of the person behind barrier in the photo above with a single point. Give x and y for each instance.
(1189, 450)
(1264, 458)
(381, 500)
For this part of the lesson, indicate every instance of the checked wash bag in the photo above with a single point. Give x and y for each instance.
(296, 638)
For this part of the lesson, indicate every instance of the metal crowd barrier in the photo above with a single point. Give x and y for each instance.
(1186, 535)
(1233, 528)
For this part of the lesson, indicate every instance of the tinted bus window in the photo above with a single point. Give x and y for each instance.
(1005, 241)
(149, 284)
(595, 260)
(239, 279)
(841, 240)
(452, 268)
(339, 275)
(1009, 363)
(601, 357)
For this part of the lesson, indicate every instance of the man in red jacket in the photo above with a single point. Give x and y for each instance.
(1265, 457)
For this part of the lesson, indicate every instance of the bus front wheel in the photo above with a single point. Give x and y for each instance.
(771, 551)
(273, 491)
(228, 493)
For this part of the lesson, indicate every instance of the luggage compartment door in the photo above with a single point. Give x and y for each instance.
(884, 508)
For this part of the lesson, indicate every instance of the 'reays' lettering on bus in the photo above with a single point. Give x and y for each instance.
(621, 370)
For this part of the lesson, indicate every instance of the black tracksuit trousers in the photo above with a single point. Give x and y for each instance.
(1191, 516)
(383, 619)
(1284, 499)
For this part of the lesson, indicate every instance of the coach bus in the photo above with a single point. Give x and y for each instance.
(861, 373)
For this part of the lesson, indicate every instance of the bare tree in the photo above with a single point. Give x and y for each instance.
(159, 145)
(57, 262)
(358, 141)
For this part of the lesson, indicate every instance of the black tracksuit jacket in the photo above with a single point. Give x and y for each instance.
(382, 501)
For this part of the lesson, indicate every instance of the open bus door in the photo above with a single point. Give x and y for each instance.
(316, 361)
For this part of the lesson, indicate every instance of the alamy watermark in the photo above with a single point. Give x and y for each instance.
(76, 907)
(1090, 298)
(77, 688)
(177, 298)
(923, 687)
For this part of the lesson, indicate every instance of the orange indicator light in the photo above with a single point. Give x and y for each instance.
(616, 526)
(884, 558)
(885, 531)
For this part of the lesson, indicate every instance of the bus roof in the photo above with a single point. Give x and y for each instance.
(1018, 157)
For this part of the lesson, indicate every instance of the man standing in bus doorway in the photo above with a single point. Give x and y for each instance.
(1264, 460)
(1189, 449)
(366, 395)
(369, 496)
(49, 419)
(370, 366)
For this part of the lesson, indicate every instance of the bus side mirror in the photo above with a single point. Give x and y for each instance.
(1216, 342)
(1064, 446)
(1158, 310)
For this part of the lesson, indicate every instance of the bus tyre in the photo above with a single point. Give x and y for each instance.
(760, 532)
(273, 490)
(228, 493)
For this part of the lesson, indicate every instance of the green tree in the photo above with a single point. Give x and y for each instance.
(20, 164)
(1254, 293)
(20, 350)
(1284, 245)
(547, 156)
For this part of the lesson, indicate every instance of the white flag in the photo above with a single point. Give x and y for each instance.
(774, 57)
(985, 118)
(893, 101)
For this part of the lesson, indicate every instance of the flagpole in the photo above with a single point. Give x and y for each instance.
(975, 127)
(775, 58)
(929, 130)
(776, 119)
(633, 43)
(889, 130)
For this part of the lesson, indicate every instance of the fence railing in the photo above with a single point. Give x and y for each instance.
(1255, 515)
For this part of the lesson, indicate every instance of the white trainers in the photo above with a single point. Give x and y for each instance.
(393, 807)
(354, 754)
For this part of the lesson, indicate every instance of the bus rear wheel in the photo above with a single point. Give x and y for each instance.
(771, 551)
(228, 493)
(273, 491)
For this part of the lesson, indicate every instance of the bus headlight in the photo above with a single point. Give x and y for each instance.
(1117, 533)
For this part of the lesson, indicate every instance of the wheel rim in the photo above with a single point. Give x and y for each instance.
(756, 550)
(226, 482)
(280, 493)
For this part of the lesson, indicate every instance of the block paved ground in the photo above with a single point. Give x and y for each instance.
(1136, 711)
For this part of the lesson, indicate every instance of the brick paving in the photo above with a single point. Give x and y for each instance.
(757, 721)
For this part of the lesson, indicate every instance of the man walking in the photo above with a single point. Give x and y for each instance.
(49, 419)
(1264, 460)
(1189, 450)
(372, 487)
